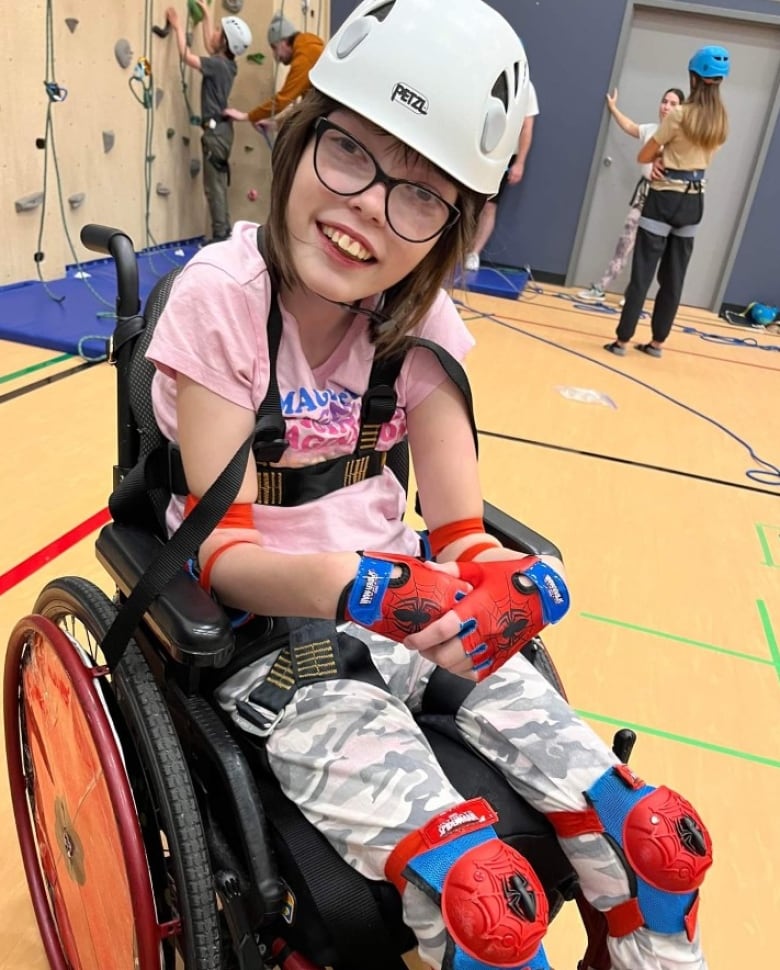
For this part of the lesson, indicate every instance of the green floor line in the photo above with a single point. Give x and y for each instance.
(34, 367)
(682, 739)
(769, 633)
(765, 547)
(692, 643)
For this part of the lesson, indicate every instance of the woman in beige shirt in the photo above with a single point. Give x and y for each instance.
(681, 149)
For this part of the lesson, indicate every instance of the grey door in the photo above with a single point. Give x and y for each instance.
(656, 56)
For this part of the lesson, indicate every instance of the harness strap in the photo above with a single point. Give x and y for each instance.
(315, 651)
(694, 175)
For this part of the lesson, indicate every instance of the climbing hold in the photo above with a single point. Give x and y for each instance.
(159, 94)
(185, 139)
(28, 202)
(108, 141)
(162, 189)
(195, 12)
(257, 58)
(194, 167)
(40, 142)
(72, 23)
(123, 52)
(162, 31)
(252, 195)
(233, 6)
(249, 148)
(170, 133)
(74, 201)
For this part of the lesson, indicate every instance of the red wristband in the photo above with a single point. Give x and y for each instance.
(238, 516)
(445, 535)
(470, 554)
(205, 574)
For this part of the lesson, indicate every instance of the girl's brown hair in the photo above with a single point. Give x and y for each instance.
(407, 301)
(704, 121)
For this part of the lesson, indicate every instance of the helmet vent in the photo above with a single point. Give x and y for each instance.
(501, 90)
(379, 13)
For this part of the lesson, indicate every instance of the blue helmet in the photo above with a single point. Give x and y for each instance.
(761, 313)
(710, 62)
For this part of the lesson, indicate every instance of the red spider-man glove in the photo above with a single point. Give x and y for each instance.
(512, 601)
(397, 606)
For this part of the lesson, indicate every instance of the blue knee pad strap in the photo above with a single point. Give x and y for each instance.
(664, 845)
(460, 960)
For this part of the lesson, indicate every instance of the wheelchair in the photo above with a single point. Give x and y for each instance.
(153, 834)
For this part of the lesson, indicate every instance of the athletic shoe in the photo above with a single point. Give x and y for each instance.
(471, 262)
(593, 295)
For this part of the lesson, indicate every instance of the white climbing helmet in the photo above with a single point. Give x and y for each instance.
(450, 81)
(237, 34)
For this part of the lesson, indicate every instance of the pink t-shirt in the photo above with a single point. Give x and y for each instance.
(213, 331)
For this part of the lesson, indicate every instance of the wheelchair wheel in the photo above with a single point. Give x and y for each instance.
(182, 919)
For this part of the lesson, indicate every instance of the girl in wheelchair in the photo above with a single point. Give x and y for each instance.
(379, 178)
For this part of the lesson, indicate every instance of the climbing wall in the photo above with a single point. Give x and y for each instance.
(110, 137)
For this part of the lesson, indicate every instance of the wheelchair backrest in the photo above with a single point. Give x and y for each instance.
(148, 437)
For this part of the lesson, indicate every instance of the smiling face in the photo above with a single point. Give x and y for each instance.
(342, 247)
(669, 101)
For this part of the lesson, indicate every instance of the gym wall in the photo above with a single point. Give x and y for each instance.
(98, 133)
(571, 47)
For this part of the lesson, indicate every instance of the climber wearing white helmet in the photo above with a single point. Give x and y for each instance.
(333, 325)
(223, 44)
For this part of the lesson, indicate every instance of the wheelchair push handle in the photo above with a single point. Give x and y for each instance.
(118, 245)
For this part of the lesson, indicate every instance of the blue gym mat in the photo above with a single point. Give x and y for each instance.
(506, 283)
(81, 323)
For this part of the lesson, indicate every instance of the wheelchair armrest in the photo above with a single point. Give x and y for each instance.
(191, 626)
(515, 535)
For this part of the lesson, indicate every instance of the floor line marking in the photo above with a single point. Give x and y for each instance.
(34, 367)
(769, 633)
(678, 639)
(24, 569)
(764, 543)
(682, 739)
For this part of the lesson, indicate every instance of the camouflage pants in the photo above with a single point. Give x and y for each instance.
(351, 756)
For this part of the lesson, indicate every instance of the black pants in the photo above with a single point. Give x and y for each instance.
(675, 215)
(217, 143)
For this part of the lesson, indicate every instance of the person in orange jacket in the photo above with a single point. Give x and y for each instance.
(295, 49)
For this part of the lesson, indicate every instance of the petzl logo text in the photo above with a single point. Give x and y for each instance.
(412, 99)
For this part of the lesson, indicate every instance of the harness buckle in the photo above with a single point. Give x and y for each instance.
(262, 720)
(269, 444)
(379, 404)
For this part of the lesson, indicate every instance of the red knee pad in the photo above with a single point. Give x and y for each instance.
(494, 905)
(662, 842)
(492, 902)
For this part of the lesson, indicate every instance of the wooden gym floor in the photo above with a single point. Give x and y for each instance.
(673, 558)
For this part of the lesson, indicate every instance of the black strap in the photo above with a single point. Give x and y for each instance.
(346, 905)
(182, 545)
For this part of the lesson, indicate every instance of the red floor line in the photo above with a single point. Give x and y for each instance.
(21, 571)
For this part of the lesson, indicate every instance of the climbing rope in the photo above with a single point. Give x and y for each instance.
(56, 95)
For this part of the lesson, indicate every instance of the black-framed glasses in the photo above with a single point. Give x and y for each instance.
(346, 167)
